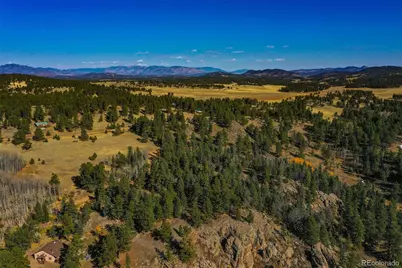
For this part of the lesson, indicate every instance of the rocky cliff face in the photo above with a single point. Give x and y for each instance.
(229, 243)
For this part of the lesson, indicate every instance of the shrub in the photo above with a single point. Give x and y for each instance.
(27, 145)
(93, 157)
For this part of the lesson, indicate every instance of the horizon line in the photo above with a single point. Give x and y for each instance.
(197, 67)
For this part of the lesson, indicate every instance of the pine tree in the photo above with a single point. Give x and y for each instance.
(19, 137)
(106, 251)
(144, 216)
(165, 232)
(45, 212)
(73, 254)
(186, 250)
(84, 135)
(38, 135)
(13, 258)
(167, 203)
(87, 120)
(112, 115)
(394, 235)
(38, 212)
(358, 230)
(278, 150)
(68, 224)
(39, 114)
(124, 235)
(312, 231)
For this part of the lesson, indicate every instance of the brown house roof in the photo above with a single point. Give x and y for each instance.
(53, 248)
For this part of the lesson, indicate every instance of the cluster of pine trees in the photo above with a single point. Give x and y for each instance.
(199, 177)
(362, 135)
(305, 87)
(18, 240)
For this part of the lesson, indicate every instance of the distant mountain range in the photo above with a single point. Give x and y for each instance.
(120, 72)
(311, 72)
(132, 71)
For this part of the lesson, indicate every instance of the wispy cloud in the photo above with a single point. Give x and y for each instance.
(194, 50)
(237, 51)
(270, 46)
(229, 48)
(142, 53)
(140, 61)
(102, 63)
(188, 61)
(279, 59)
(285, 46)
(231, 60)
(177, 57)
(213, 52)
(263, 60)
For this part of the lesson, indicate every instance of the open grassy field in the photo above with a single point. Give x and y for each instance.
(64, 157)
(264, 93)
(268, 93)
(385, 93)
(328, 111)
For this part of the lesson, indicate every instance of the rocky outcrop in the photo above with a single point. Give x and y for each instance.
(326, 201)
(324, 257)
(229, 243)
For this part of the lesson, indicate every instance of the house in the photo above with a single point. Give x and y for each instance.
(43, 124)
(50, 252)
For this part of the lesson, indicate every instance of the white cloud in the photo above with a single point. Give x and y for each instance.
(188, 61)
(177, 57)
(270, 46)
(142, 53)
(229, 48)
(212, 52)
(231, 60)
(140, 61)
(279, 59)
(237, 51)
(262, 60)
(285, 46)
(194, 50)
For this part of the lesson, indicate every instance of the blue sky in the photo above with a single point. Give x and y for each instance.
(220, 33)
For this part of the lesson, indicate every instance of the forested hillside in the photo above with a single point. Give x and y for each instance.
(202, 170)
